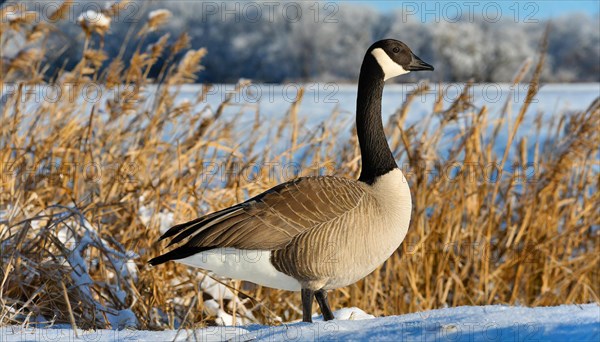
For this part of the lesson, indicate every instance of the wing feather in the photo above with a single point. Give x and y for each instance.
(270, 220)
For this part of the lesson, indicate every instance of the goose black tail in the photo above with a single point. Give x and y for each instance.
(177, 253)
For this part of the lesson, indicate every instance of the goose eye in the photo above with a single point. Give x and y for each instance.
(396, 50)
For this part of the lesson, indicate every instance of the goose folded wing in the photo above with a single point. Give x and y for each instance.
(268, 221)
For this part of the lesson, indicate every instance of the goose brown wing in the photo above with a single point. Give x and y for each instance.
(268, 221)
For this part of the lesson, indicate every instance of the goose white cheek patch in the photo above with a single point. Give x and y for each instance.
(389, 67)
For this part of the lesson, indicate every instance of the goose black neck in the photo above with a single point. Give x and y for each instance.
(377, 158)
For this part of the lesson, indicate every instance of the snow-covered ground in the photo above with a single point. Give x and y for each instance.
(476, 323)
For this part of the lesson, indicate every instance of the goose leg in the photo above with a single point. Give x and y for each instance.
(307, 299)
(321, 296)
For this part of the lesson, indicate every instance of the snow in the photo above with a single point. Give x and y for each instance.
(77, 235)
(220, 292)
(159, 13)
(94, 18)
(147, 214)
(11, 16)
(468, 323)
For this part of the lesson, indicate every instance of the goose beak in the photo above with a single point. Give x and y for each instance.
(417, 64)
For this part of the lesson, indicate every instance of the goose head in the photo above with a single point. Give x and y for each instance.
(394, 58)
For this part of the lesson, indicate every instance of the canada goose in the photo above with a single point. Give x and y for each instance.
(315, 234)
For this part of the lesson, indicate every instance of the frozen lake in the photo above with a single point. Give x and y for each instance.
(321, 99)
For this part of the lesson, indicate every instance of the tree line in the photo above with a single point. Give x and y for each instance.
(319, 41)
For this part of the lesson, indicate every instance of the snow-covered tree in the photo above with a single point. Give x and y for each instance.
(281, 41)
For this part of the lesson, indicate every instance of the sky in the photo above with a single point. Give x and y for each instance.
(541, 9)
